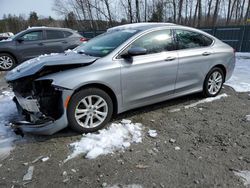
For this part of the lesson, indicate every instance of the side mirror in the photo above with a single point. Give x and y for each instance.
(137, 51)
(134, 51)
(20, 40)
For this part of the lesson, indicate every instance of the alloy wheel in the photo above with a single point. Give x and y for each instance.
(6, 62)
(215, 82)
(91, 111)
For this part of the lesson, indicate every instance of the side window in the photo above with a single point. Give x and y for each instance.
(33, 36)
(155, 42)
(189, 39)
(67, 34)
(54, 34)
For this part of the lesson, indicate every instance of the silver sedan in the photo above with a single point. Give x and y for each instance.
(127, 67)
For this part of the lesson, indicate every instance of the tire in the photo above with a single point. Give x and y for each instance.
(7, 62)
(80, 111)
(213, 82)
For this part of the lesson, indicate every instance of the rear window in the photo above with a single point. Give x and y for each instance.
(189, 39)
(54, 34)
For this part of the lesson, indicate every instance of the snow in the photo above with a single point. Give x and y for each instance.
(7, 111)
(248, 117)
(118, 136)
(125, 186)
(152, 133)
(245, 176)
(240, 80)
(175, 110)
(206, 100)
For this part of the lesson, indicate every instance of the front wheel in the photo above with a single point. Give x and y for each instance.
(213, 82)
(89, 110)
(7, 62)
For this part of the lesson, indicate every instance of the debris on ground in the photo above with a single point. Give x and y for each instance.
(172, 141)
(177, 148)
(66, 180)
(152, 133)
(37, 159)
(29, 174)
(141, 166)
(45, 159)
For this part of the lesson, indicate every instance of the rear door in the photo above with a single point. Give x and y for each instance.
(151, 77)
(55, 41)
(31, 44)
(195, 56)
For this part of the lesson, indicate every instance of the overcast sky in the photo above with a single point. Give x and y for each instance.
(42, 7)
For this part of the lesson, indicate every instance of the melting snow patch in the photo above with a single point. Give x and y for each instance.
(209, 99)
(152, 133)
(117, 137)
(245, 176)
(125, 186)
(240, 80)
(175, 110)
(7, 110)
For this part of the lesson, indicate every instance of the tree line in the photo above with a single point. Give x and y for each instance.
(102, 14)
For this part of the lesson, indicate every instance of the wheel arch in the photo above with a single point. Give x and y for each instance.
(223, 68)
(105, 88)
(10, 53)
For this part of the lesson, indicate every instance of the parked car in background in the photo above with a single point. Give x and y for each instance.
(36, 41)
(4, 36)
(127, 67)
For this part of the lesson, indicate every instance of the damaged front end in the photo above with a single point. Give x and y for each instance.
(41, 106)
(40, 103)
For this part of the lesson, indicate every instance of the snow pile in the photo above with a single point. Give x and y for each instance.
(240, 80)
(7, 110)
(206, 100)
(117, 137)
(245, 176)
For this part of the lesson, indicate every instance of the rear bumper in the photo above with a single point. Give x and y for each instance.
(43, 127)
(230, 68)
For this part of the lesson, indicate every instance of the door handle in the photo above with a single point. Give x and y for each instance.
(206, 53)
(170, 58)
(64, 42)
(41, 44)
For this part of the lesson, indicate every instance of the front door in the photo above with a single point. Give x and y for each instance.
(31, 45)
(150, 78)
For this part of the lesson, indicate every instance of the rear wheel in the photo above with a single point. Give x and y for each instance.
(7, 62)
(89, 110)
(213, 82)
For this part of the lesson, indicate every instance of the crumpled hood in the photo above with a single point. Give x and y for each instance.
(35, 65)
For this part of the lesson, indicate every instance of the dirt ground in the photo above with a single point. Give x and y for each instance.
(213, 140)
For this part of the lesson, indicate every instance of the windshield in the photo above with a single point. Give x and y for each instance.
(104, 44)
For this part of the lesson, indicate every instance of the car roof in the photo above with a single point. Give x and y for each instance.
(50, 28)
(140, 26)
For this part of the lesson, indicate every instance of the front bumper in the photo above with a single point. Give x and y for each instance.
(43, 127)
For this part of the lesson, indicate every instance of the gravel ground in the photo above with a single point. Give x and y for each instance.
(213, 140)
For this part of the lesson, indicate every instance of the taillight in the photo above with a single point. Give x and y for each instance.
(82, 39)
